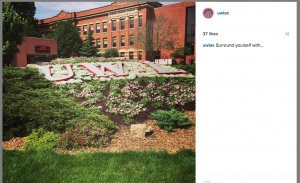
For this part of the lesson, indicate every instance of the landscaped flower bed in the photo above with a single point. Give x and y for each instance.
(128, 96)
(86, 110)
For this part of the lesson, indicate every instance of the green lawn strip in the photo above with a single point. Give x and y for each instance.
(127, 166)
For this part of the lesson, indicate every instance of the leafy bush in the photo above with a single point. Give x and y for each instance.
(17, 79)
(26, 107)
(112, 52)
(32, 109)
(99, 55)
(189, 68)
(169, 120)
(174, 62)
(181, 52)
(40, 139)
(94, 131)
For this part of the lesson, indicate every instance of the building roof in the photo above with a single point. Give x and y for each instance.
(98, 10)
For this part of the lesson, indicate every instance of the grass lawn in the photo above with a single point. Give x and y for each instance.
(128, 166)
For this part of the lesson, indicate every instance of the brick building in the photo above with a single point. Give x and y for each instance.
(32, 48)
(114, 25)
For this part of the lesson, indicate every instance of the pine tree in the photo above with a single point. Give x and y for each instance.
(88, 48)
(68, 39)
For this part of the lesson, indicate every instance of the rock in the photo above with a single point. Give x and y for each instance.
(140, 130)
(32, 65)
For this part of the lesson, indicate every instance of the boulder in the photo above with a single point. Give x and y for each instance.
(140, 130)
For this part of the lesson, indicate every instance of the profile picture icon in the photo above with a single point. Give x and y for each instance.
(208, 12)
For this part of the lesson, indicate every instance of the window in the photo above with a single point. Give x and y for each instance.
(191, 13)
(114, 44)
(131, 22)
(140, 55)
(122, 40)
(98, 45)
(131, 40)
(104, 42)
(122, 24)
(79, 30)
(122, 54)
(190, 28)
(140, 21)
(114, 25)
(92, 28)
(104, 26)
(130, 55)
(43, 35)
(97, 27)
(85, 30)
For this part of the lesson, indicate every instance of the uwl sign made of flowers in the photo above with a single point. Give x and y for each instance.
(105, 71)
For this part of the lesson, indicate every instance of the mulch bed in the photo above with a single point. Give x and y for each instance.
(159, 140)
(14, 143)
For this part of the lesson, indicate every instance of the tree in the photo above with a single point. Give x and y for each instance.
(27, 11)
(157, 34)
(88, 49)
(68, 38)
(13, 26)
(181, 52)
(112, 52)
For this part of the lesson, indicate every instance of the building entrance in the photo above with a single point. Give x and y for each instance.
(31, 59)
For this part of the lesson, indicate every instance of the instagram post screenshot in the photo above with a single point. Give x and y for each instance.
(144, 92)
(246, 92)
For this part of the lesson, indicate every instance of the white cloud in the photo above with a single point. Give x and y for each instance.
(167, 3)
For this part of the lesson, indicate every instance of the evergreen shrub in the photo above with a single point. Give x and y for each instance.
(28, 104)
(169, 120)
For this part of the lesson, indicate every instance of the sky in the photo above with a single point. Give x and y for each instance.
(51, 9)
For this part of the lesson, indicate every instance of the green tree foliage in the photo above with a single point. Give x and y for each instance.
(88, 49)
(27, 11)
(112, 52)
(68, 38)
(181, 52)
(13, 27)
